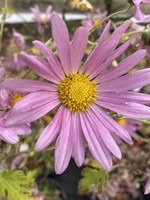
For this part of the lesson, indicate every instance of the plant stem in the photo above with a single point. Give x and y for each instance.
(114, 14)
(110, 16)
(4, 13)
(135, 32)
(92, 43)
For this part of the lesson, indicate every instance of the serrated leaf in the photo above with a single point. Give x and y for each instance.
(91, 177)
(14, 185)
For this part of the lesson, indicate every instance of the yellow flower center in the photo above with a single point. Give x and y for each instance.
(77, 92)
(16, 98)
(43, 18)
(96, 22)
(122, 122)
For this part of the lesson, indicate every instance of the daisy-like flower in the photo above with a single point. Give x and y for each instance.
(137, 12)
(130, 125)
(15, 60)
(89, 22)
(40, 18)
(82, 94)
(9, 134)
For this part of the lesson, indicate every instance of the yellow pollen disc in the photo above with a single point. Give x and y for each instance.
(16, 98)
(77, 92)
(122, 122)
(43, 18)
(96, 22)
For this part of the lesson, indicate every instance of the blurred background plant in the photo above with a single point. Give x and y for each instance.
(25, 174)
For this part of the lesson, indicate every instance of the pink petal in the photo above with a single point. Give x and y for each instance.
(63, 148)
(2, 71)
(119, 51)
(30, 109)
(127, 82)
(40, 66)
(61, 39)
(19, 39)
(78, 140)
(27, 85)
(129, 109)
(95, 145)
(146, 1)
(137, 2)
(123, 67)
(32, 115)
(21, 130)
(9, 136)
(17, 161)
(138, 13)
(34, 100)
(126, 96)
(105, 31)
(104, 133)
(111, 124)
(36, 12)
(78, 47)
(49, 12)
(103, 50)
(147, 187)
(51, 131)
(54, 63)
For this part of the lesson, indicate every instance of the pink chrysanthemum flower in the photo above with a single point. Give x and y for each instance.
(90, 21)
(82, 94)
(9, 134)
(130, 125)
(15, 60)
(40, 18)
(138, 13)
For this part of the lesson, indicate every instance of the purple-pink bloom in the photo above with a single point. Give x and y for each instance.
(40, 18)
(82, 94)
(8, 134)
(90, 21)
(15, 60)
(137, 12)
(20, 41)
(132, 126)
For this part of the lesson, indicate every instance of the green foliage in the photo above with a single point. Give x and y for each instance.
(93, 175)
(15, 185)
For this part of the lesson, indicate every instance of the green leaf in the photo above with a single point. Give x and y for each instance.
(93, 176)
(15, 185)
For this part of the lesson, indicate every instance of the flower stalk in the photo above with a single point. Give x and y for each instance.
(109, 17)
(4, 14)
